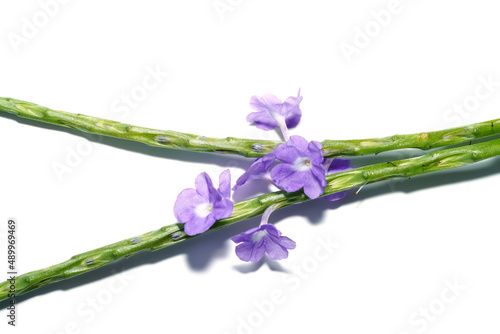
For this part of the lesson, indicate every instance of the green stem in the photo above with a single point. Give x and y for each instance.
(245, 147)
(172, 234)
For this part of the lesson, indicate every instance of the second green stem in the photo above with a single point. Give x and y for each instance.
(172, 234)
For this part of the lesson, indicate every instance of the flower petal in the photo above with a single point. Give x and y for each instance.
(286, 153)
(245, 236)
(263, 120)
(258, 167)
(319, 173)
(315, 153)
(268, 103)
(225, 184)
(223, 209)
(338, 165)
(287, 243)
(204, 186)
(295, 147)
(266, 238)
(313, 187)
(299, 142)
(287, 178)
(248, 252)
(292, 110)
(269, 108)
(271, 229)
(275, 251)
(185, 204)
(199, 225)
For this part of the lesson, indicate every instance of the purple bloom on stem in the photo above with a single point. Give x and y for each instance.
(256, 170)
(199, 208)
(263, 239)
(336, 165)
(302, 167)
(271, 112)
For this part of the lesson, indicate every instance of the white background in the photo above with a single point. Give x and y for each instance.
(400, 243)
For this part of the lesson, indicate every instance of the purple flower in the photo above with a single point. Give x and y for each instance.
(336, 165)
(263, 239)
(302, 167)
(256, 170)
(199, 208)
(271, 112)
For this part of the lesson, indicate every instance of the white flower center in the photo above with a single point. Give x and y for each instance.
(203, 210)
(302, 164)
(258, 235)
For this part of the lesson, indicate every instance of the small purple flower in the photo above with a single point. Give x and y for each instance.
(199, 208)
(271, 112)
(332, 166)
(256, 170)
(263, 239)
(302, 167)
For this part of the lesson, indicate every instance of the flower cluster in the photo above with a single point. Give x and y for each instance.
(301, 167)
(271, 112)
(297, 164)
(199, 208)
(263, 239)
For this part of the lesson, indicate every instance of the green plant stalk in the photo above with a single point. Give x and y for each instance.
(172, 234)
(245, 147)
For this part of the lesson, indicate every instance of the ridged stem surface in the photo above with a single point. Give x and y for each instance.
(244, 147)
